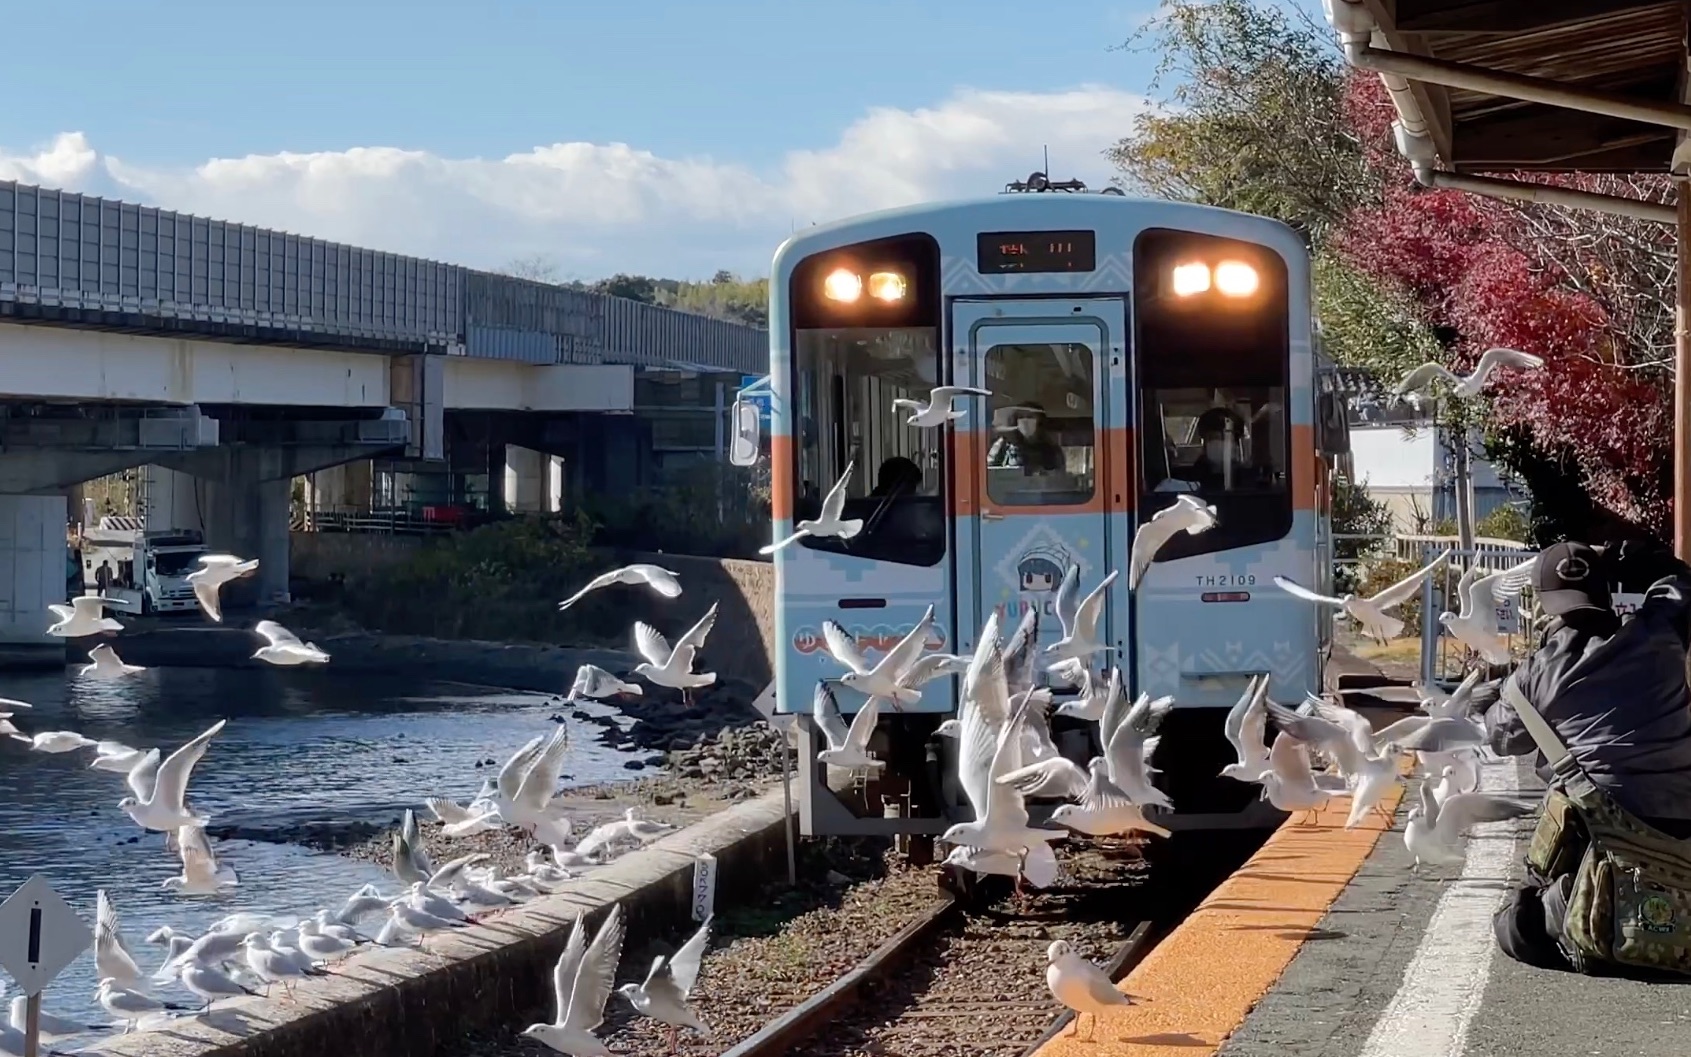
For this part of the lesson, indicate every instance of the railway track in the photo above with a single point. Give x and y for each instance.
(967, 977)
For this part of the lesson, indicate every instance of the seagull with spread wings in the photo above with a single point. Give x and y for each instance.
(581, 984)
(1370, 612)
(663, 996)
(673, 667)
(1477, 625)
(830, 522)
(1422, 378)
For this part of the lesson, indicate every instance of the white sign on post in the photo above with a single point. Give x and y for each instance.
(1626, 603)
(704, 886)
(39, 935)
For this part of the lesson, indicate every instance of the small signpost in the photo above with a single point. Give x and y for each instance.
(765, 704)
(704, 886)
(40, 935)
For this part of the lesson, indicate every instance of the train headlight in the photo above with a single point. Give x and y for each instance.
(842, 284)
(1191, 278)
(887, 286)
(1236, 278)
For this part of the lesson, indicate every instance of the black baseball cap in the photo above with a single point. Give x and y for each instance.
(1569, 577)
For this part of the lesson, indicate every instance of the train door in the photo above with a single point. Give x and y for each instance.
(1041, 474)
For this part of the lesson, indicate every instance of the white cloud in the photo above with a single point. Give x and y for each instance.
(602, 208)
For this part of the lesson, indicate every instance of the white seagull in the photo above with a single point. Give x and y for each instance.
(581, 984)
(594, 683)
(848, 748)
(163, 808)
(1081, 986)
(202, 874)
(55, 741)
(663, 996)
(1422, 377)
(659, 579)
(830, 522)
(1432, 830)
(1080, 622)
(674, 667)
(1370, 612)
(112, 959)
(938, 410)
(1188, 514)
(107, 664)
(886, 678)
(216, 570)
(283, 647)
(1246, 727)
(86, 615)
(117, 757)
(1476, 626)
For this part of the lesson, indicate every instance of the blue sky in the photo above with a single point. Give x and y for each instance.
(663, 137)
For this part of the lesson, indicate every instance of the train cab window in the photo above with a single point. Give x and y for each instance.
(1043, 448)
(1213, 366)
(844, 383)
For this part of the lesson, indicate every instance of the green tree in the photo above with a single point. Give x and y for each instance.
(1259, 124)
(1356, 514)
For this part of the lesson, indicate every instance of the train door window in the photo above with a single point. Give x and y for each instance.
(1044, 448)
(1214, 370)
(897, 475)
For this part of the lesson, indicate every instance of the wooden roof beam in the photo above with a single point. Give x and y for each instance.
(1539, 137)
(1517, 86)
(1505, 16)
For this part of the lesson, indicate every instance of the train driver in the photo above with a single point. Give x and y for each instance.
(1027, 444)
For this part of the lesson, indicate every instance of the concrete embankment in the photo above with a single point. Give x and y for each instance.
(402, 1002)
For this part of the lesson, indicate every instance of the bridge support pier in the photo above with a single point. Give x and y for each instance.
(238, 511)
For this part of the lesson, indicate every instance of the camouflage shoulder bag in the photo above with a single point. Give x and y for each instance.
(1630, 905)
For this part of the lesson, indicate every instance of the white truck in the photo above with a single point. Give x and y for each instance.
(122, 559)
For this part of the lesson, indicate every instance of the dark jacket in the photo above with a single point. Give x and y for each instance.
(1618, 698)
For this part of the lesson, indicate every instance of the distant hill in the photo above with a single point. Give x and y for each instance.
(725, 296)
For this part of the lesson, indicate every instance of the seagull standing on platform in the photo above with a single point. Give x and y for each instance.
(1422, 377)
(1081, 986)
(674, 667)
(216, 570)
(86, 615)
(830, 522)
(1370, 612)
(107, 664)
(659, 579)
(1188, 514)
(938, 410)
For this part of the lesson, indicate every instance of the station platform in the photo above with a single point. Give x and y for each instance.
(1325, 944)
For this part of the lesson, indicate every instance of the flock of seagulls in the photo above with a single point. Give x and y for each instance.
(247, 953)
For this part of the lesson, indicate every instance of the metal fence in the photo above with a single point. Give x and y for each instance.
(392, 521)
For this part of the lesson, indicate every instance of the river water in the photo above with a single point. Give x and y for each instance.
(301, 745)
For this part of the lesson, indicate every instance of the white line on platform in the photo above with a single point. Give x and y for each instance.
(1445, 981)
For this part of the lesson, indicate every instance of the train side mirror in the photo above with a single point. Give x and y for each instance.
(747, 442)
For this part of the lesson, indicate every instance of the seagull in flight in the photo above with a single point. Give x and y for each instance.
(659, 579)
(1188, 514)
(1080, 622)
(663, 996)
(283, 647)
(163, 808)
(830, 522)
(938, 410)
(847, 747)
(1246, 728)
(886, 678)
(1476, 626)
(107, 664)
(581, 983)
(216, 570)
(673, 667)
(1370, 612)
(1432, 830)
(1466, 388)
(84, 616)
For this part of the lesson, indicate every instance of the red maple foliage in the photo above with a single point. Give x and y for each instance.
(1458, 255)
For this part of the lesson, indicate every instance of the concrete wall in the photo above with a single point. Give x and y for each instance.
(501, 385)
(33, 572)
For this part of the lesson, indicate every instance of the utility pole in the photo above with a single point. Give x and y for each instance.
(1682, 375)
(1464, 482)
